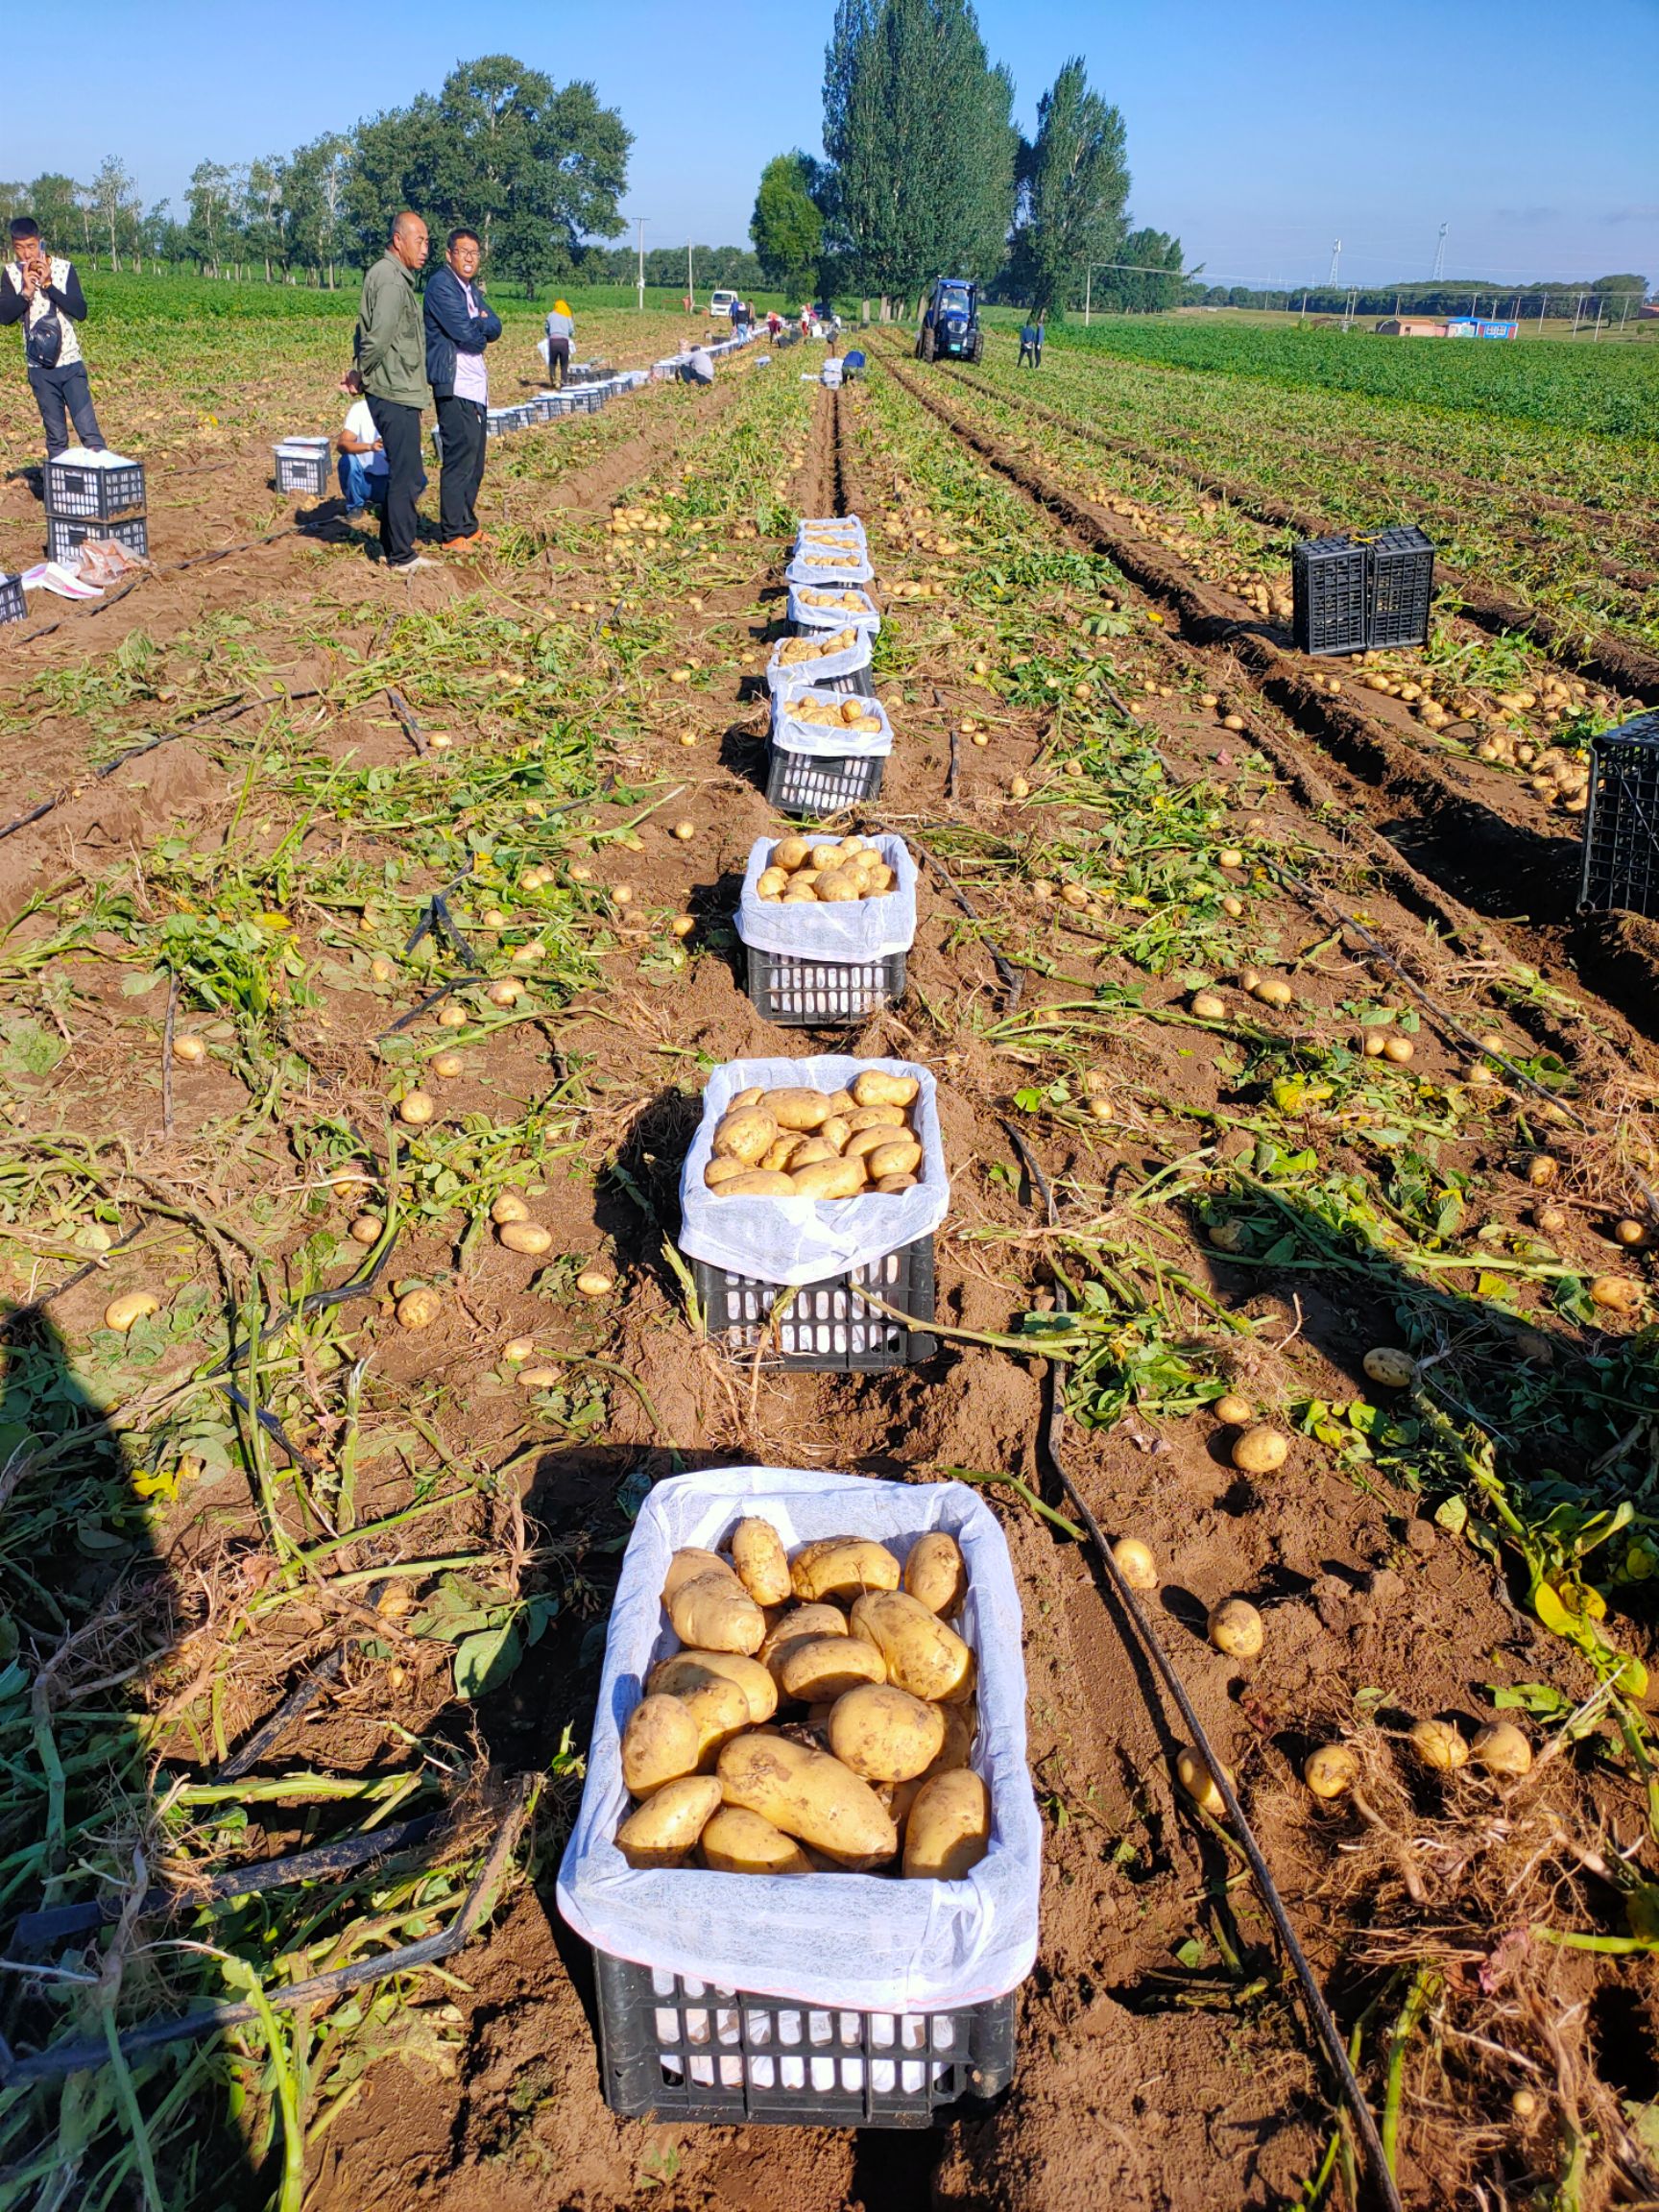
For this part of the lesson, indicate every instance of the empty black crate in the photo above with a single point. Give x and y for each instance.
(94, 494)
(678, 2050)
(804, 993)
(65, 536)
(1400, 587)
(1620, 870)
(14, 602)
(816, 784)
(1328, 590)
(826, 1325)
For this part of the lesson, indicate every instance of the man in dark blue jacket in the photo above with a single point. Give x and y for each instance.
(460, 322)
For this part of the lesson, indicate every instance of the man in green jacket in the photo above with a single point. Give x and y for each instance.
(391, 356)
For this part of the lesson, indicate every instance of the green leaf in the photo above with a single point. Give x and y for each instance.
(1551, 1612)
(1540, 1699)
(1191, 1953)
(485, 1661)
(1453, 1515)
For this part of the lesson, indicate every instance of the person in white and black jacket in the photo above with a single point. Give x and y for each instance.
(42, 292)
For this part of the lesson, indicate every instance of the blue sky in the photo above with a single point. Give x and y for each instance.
(1259, 134)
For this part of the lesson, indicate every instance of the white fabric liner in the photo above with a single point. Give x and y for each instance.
(801, 675)
(822, 740)
(853, 929)
(849, 566)
(795, 1241)
(870, 1943)
(806, 616)
(83, 457)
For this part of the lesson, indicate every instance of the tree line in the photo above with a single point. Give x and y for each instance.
(1619, 295)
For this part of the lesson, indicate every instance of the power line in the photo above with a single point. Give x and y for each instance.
(1441, 255)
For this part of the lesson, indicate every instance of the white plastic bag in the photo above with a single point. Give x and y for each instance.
(806, 616)
(826, 740)
(854, 930)
(871, 1943)
(796, 1240)
(798, 675)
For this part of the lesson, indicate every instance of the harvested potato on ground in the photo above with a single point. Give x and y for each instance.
(923, 1655)
(688, 1670)
(842, 1567)
(819, 1667)
(714, 1613)
(665, 1830)
(948, 1828)
(885, 1734)
(935, 1573)
(739, 1842)
(761, 1562)
(810, 1795)
(661, 1743)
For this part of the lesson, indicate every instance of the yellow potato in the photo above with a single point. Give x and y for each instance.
(923, 1655)
(961, 1726)
(820, 1668)
(948, 1829)
(744, 1133)
(738, 1842)
(771, 883)
(715, 1613)
(721, 1711)
(834, 1132)
(863, 1142)
(891, 1185)
(808, 1795)
(779, 1154)
(882, 881)
(661, 1743)
(935, 1573)
(834, 1178)
(664, 1831)
(761, 1562)
(757, 1182)
(719, 1171)
(799, 1625)
(885, 1734)
(790, 853)
(686, 1670)
(811, 1152)
(689, 1561)
(843, 1568)
(841, 1102)
(797, 1107)
(875, 1087)
(836, 886)
(902, 1157)
(749, 1097)
(826, 857)
(877, 1118)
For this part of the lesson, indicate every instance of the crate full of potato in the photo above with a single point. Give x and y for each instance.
(825, 555)
(807, 1853)
(828, 751)
(827, 927)
(799, 662)
(812, 1186)
(814, 607)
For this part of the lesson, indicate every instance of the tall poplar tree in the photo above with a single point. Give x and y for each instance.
(1073, 192)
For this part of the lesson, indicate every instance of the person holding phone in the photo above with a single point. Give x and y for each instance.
(42, 292)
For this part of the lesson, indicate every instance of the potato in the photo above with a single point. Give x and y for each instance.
(833, 1132)
(949, 1830)
(741, 1098)
(686, 1670)
(790, 853)
(881, 879)
(934, 1572)
(715, 1613)
(661, 1743)
(837, 885)
(762, 1564)
(923, 1655)
(797, 1627)
(723, 1171)
(815, 1668)
(811, 1152)
(842, 1567)
(902, 1157)
(834, 1178)
(875, 1087)
(745, 1134)
(771, 883)
(891, 1185)
(808, 1795)
(961, 1726)
(665, 1830)
(689, 1561)
(721, 1711)
(780, 1152)
(877, 1118)
(841, 1102)
(824, 857)
(739, 1842)
(862, 1143)
(885, 1734)
(797, 1108)
(757, 1182)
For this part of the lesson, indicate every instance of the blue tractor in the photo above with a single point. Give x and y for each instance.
(950, 322)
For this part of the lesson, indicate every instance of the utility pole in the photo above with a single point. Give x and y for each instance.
(690, 280)
(1598, 330)
(640, 221)
(1336, 257)
(1578, 315)
(1441, 255)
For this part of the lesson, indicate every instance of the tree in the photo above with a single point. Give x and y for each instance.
(787, 225)
(264, 213)
(55, 202)
(1073, 190)
(317, 182)
(214, 194)
(114, 199)
(1141, 286)
(916, 125)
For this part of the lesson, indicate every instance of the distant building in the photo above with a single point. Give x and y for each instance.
(1481, 327)
(1411, 327)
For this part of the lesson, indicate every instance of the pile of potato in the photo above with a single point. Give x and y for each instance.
(871, 1766)
(848, 713)
(794, 650)
(853, 602)
(800, 873)
(799, 1142)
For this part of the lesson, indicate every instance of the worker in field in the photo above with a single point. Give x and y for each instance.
(1031, 343)
(460, 323)
(390, 351)
(699, 367)
(42, 292)
(561, 337)
(362, 455)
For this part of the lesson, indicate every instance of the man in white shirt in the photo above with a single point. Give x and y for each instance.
(362, 457)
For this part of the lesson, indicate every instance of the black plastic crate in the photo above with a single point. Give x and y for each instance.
(677, 2049)
(1400, 587)
(78, 493)
(63, 536)
(1621, 868)
(818, 785)
(813, 993)
(826, 1325)
(1328, 589)
(306, 473)
(14, 600)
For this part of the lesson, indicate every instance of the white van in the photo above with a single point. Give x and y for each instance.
(720, 305)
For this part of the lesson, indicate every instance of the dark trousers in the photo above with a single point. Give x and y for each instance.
(399, 430)
(65, 392)
(558, 362)
(460, 434)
